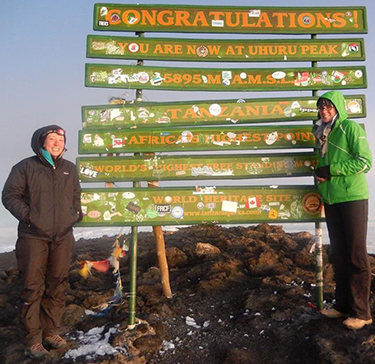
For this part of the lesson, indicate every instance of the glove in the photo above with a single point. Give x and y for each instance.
(80, 215)
(323, 172)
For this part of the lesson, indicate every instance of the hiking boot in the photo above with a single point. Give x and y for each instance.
(332, 313)
(55, 341)
(354, 323)
(36, 351)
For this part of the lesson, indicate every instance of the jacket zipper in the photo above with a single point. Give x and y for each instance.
(54, 201)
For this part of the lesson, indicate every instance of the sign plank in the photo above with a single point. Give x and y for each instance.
(225, 50)
(229, 19)
(189, 205)
(211, 112)
(179, 139)
(151, 168)
(230, 79)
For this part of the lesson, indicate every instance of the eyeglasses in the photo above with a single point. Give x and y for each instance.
(325, 107)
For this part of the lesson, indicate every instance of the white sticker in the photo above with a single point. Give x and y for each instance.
(115, 113)
(132, 20)
(200, 205)
(133, 47)
(226, 75)
(98, 141)
(254, 13)
(243, 75)
(288, 111)
(217, 23)
(143, 77)
(186, 136)
(271, 138)
(117, 143)
(177, 212)
(87, 138)
(89, 172)
(215, 109)
(107, 216)
(156, 79)
(278, 75)
(123, 78)
(354, 107)
(253, 202)
(358, 73)
(196, 110)
(128, 195)
(229, 206)
(338, 76)
(296, 105)
(103, 11)
(117, 71)
(274, 203)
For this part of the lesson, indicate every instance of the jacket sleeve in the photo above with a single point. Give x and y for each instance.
(360, 160)
(14, 191)
(77, 196)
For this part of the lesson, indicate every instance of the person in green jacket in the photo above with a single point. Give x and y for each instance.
(344, 157)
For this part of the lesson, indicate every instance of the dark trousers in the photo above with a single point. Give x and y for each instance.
(44, 268)
(347, 229)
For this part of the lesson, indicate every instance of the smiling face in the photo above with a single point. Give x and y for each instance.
(54, 144)
(327, 110)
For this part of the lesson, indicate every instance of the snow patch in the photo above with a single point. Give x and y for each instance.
(94, 343)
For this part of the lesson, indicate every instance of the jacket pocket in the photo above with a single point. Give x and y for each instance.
(35, 224)
(356, 187)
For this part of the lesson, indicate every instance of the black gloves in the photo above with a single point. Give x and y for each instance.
(323, 172)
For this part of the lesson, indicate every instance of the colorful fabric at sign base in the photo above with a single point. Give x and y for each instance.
(103, 266)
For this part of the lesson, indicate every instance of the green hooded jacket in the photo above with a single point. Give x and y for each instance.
(348, 156)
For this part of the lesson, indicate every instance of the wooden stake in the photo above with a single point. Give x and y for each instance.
(162, 259)
(160, 252)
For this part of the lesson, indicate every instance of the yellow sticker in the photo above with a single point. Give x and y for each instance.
(273, 214)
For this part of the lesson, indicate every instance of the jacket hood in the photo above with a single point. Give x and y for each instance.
(337, 99)
(37, 140)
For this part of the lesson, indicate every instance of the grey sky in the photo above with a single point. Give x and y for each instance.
(42, 58)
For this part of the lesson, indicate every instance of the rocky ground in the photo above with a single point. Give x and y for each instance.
(240, 295)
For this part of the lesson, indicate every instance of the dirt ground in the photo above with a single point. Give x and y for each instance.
(240, 295)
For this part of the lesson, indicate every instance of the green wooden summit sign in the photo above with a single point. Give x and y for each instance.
(230, 79)
(195, 139)
(174, 206)
(150, 168)
(211, 112)
(212, 50)
(229, 19)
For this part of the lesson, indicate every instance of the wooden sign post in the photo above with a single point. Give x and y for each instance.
(243, 149)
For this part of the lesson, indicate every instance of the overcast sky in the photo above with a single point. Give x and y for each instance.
(42, 58)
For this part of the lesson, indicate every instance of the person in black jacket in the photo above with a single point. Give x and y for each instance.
(43, 193)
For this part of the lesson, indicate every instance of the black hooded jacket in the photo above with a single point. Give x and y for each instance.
(45, 199)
